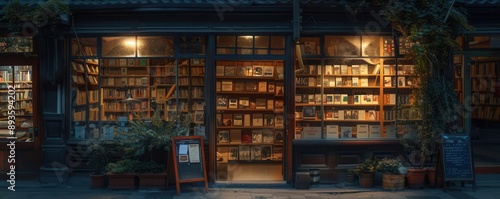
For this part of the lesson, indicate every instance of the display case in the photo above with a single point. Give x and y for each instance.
(484, 92)
(356, 89)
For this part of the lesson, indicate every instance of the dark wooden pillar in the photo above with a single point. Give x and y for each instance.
(52, 78)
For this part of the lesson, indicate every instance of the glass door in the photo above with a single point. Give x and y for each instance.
(250, 120)
(16, 103)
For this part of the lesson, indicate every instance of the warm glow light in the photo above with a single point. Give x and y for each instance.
(129, 42)
(247, 37)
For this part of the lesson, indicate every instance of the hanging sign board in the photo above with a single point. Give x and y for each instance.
(457, 158)
(189, 160)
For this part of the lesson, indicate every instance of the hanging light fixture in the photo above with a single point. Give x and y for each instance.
(128, 95)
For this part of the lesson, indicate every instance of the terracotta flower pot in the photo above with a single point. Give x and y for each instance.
(434, 181)
(416, 177)
(97, 181)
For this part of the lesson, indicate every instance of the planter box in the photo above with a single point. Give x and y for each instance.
(121, 181)
(393, 182)
(153, 180)
(366, 180)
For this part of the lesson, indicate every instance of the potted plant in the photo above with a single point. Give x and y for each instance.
(366, 172)
(393, 173)
(99, 156)
(419, 146)
(144, 140)
(431, 28)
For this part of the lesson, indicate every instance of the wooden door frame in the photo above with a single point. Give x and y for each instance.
(35, 146)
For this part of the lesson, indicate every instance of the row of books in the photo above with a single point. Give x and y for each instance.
(482, 69)
(337, 98)
(355, 69)
(126, 62)
(246, 152)
(485, 98)
(80, 114)
(249, 119)
(489, 84)
(338, 132)
(310, 113)
(116, 93)
(184, 81)
(169, 70)
(225, 102)
(336, 81)
(163, 80)
(486, 112)
(122, 81)
(256, 70)
(256, 136)
(81, 96)
(124, 71)
(119, 106)
(250, 86)
(399, 81)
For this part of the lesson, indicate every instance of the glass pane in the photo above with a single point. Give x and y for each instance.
(16, 44)
(485, 41)
(388, 47)
(309, 45)
(118, 46)
(225, 51)
(261, 51)
(155, 46)
(245, 41)
(261, 41)
(277, 42)
(192, 45)
(84, 47)
(226, 41)
(342, 45)
(371, 46)
(245, 51)
(277, 52)
(85, 101)
(404, 46)
(16, 82)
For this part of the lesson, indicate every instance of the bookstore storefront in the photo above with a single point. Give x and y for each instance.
(243, 86)
(267, 106)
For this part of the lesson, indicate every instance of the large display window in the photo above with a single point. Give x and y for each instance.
(132, 77)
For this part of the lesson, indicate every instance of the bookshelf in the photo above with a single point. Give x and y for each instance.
(119, 77)
(85, 81)
(484, 97)
(16, 101)
(174, 87)
(250, 111)
(355, 90)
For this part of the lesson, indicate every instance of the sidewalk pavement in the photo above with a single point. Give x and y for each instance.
(77, 187)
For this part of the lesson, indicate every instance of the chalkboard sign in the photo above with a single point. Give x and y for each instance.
(457, 157)
(189, 160)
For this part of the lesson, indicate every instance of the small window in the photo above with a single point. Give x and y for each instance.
(16, 44)
(84, 47)
(155, 46)
(119, 46)
(342, 46)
